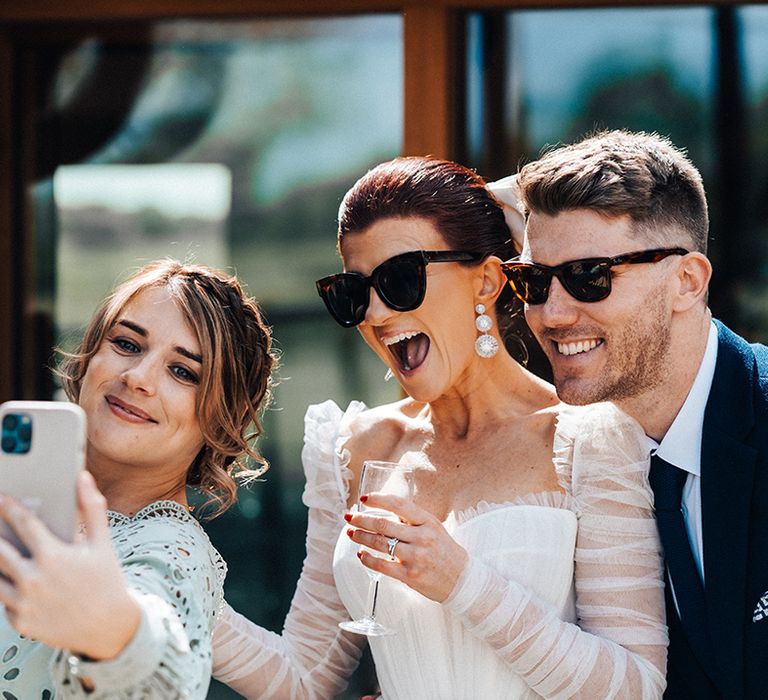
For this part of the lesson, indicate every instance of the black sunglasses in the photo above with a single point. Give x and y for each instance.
(400, 282)
(586, 280)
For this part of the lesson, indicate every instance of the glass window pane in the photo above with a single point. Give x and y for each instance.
(752, 285)
(567, 72)
(696, 74)
(227, 143)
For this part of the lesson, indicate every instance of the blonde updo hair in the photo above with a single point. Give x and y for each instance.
(237, 362)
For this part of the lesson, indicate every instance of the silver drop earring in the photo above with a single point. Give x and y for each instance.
(486, 345)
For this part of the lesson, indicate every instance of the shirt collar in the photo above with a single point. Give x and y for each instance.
(681, 445)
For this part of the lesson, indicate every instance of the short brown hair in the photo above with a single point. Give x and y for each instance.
(615, 173)
(453, 198)
(237, 362)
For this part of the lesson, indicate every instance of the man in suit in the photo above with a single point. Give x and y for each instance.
(614, 274)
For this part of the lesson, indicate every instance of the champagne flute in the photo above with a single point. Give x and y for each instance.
(381, 477)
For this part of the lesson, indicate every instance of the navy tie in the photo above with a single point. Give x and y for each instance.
(667, 482)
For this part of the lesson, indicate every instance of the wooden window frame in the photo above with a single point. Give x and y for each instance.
(433, 85)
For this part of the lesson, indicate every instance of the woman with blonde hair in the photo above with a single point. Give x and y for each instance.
(172, 372)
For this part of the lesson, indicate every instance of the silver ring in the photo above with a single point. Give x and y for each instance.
(392, 542)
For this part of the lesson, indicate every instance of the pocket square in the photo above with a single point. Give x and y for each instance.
(761, 611)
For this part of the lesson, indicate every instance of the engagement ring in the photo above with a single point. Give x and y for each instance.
(392, 542)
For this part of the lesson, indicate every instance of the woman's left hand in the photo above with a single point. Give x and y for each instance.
(426, 557)
(70, 596)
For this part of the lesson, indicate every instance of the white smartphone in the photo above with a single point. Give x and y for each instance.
(41, 453)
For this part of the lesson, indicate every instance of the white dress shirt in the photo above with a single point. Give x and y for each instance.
(681, 446)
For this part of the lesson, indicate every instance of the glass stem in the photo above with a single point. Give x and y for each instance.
(373, 594)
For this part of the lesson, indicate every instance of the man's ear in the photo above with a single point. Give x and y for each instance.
(491, 281)
(693, 275)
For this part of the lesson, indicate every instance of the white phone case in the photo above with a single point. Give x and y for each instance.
(44, 477)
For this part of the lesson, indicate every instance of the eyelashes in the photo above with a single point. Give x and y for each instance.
(185, 374)
(126, 346)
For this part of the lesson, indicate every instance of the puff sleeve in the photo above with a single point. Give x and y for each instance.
(618, 648)
(313, 657)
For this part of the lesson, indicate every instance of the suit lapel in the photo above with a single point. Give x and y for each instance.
(727, 475)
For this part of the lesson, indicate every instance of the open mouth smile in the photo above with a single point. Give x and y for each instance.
(577, 347)
(409, 349)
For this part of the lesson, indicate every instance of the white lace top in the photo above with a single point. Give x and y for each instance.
(589, 555)
(176, 576)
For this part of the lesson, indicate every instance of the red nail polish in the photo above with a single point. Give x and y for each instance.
(348, 517)
(350, 532)
(359, 555)
(363, 499)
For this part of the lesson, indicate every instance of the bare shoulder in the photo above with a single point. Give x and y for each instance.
(537, 434)
(515, 458)
(538, 418)
(376, 432)
(380, 433)
(542, 423)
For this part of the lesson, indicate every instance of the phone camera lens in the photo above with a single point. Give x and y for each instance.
(9, 444)
(17, 433)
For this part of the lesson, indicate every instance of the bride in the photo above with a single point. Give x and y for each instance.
(527, 563)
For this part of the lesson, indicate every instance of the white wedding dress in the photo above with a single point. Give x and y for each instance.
(435, 655)
(589, 554)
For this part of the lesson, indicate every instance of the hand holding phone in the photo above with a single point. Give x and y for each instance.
(68, 595)
(42, 451)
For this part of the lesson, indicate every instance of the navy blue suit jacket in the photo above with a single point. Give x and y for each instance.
(734, 493)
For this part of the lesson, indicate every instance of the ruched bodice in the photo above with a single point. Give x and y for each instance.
(533, 544)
